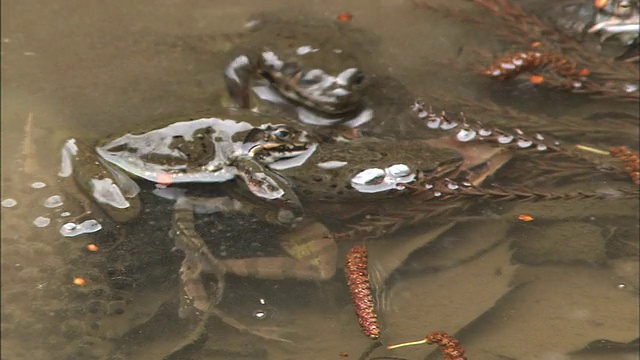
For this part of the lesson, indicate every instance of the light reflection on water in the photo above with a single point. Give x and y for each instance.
(92, 69)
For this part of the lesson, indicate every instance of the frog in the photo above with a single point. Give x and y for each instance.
(205, 151)
(615, 21)
(369, 175)
(312, 71)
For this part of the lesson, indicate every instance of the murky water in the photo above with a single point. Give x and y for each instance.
(508, 289)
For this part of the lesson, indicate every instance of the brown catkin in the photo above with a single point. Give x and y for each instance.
(360, 289)
(513, 64)
(449, 346)
(630, 159)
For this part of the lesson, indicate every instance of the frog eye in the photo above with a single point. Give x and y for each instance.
(282, 133)
(624, 5)
(357, 78)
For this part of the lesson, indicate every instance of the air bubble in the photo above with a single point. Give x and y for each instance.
(629, 88)
(453, 186)
(259, 314)
(465, 135)
(484, 132)
(524, 143)
(9, 203)
(448, 125)
(398, 170)
(41, 221)
(53, 201)
(434, 123)
(38, 185)
(541, 147)
(505, 139)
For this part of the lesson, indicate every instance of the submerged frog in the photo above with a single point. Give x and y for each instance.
(310, 68)
(208, 150)
(615, 21)
(343, 179)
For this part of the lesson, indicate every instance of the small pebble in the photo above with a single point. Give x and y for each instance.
(38, 185)
(41, 221)
(9, 203)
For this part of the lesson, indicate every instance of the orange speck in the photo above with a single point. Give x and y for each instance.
(79, 281)
(536, 79)
(345, 16)
(164, 179)
(92, 247)
(525, 217)
(535, 44)
(344, 354)
(599, 4)
(584, 72)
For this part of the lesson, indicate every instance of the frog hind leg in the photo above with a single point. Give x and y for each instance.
(313, 255)
(198, 260)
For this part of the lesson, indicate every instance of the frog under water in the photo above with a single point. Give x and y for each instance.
(322, 73)
(616, 22)
(284, 173)
(367, 174)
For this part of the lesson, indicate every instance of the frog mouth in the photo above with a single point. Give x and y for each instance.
(283, 156)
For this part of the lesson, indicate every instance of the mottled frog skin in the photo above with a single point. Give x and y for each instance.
(310, 70)
(207, 150)
(615, 21)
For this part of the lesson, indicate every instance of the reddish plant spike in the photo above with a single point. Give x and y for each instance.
(449, 346)
(360, 289)
(514, 64)
(630, 159)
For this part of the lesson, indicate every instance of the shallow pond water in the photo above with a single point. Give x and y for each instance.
(553, 288)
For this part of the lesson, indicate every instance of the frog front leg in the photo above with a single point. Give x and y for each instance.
(237, 78)
(199, 261)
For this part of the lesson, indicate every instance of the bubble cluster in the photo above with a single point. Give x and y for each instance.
(377, 180)
(72, 229)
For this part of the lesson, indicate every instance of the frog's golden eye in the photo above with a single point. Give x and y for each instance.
(600, 4)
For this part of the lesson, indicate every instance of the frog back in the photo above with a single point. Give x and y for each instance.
(367, 169)
(187, 151)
